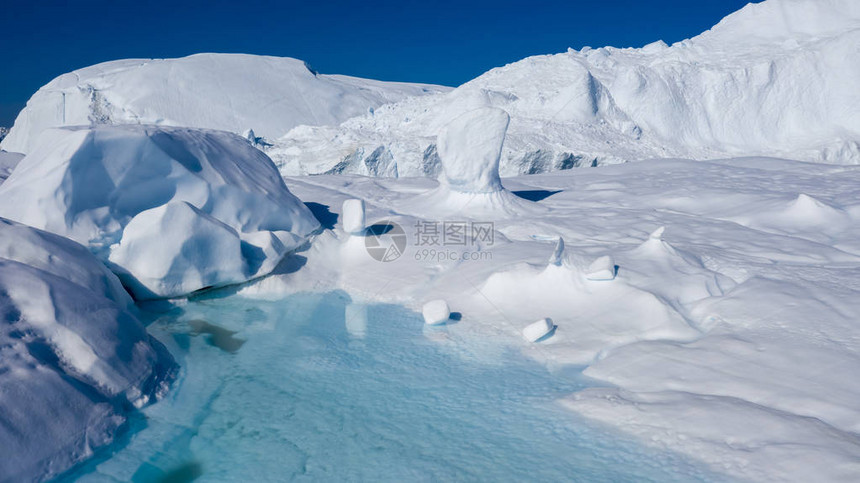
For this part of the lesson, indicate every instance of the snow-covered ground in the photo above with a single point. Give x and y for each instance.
(731, 336)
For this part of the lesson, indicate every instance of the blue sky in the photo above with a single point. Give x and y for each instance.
(439, 41)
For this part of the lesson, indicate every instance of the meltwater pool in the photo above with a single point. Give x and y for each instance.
(316, 388)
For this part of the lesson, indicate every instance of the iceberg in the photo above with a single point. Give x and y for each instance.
(74, 359)
(776, 78)
(239, 93)
(171, 210)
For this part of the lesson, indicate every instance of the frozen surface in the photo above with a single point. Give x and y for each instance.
(777, 78)
(74, 362)
(300, 397)
(230, 92)
(172, 209)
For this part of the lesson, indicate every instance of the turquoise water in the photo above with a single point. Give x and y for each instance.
(316, 388)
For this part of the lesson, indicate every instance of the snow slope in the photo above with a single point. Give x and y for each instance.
(776, 78)
(231, 92)
(73, 360)
(729, 335)
(172, 210)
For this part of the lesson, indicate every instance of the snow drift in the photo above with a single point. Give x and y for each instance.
(73, 360)
(172, 210)
(231, 92)
(774, 78)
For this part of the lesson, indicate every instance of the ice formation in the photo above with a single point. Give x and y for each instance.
(557, 257)
(469, 185)
(230, 92)
(469, 148)
(73, 360)
(353, 216)
(537, 330)
(436, 312)
(776, 78)
(602, 268)
(172, 209)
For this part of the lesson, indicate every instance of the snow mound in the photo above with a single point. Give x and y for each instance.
(802, 215)
(776, 79)
(73, 360)
(230, 92)
(174, 210)
(563, 293)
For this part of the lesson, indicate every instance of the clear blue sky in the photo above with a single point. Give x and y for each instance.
(434, 41)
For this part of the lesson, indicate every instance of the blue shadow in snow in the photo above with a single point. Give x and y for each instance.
(535, 195)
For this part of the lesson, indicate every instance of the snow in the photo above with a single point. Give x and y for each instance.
(776, 78)
(602, 268)
(706, 293)
(172, 210)
(469, 148)
(436, 312)
(73, 360)
(727, 332)
(353, 216)
(176, 248)
(230, 92)
(538, 330)
(8, 161)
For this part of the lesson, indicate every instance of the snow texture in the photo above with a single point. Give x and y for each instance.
(172, 210)
(230, 92)
(73, 360)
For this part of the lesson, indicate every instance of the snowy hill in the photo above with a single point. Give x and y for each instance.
(774, 78)
(231, 92)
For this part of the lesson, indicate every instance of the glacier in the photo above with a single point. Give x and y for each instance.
(776, 78)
